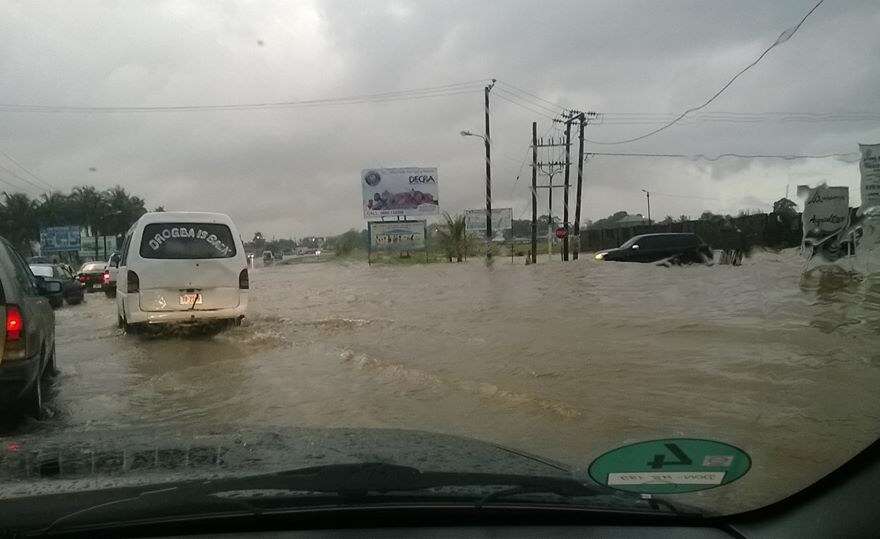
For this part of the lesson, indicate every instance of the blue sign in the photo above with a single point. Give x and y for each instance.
(58, 239)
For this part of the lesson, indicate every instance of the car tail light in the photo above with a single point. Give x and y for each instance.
(106, 277)
(14, 323)
(83, 278)
(133, 282)
(243, 281)
(15, 345)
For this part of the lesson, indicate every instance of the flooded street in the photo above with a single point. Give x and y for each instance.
(564, 361)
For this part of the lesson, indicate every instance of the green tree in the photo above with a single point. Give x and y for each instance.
(90, 209)
(122, 210)
(54, 209)
(786, 207)
(345, 243)
(453, 238)
(18, 221)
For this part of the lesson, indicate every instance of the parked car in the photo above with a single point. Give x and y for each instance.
(182, 268)
(91, 275)
(27, 351)
(268, 257)
(110, 273)
(71, 288)
(681, 247)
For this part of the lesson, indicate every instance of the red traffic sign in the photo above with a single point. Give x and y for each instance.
(561, 232)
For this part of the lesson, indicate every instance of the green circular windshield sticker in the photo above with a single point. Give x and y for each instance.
(670, 466)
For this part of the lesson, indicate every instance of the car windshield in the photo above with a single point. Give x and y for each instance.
(401, 232)
(42, 271)
(187, 240)
(92, 266)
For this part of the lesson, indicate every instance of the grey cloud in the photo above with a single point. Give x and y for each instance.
(295, 171)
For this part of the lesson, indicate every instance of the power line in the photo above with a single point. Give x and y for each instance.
(20, 178)
(525, 107)
(532, 103)
(402, 95)
(553, 104)
(27, 171)
(783, 37)
(704, 157)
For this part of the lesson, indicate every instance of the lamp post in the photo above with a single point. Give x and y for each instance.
(648, 197)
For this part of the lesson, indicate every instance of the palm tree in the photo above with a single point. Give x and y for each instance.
(453, 240)
(18, 221)
(89, 208)
(53, 209)
(122, 210)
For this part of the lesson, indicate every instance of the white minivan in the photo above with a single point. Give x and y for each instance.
(181, 268)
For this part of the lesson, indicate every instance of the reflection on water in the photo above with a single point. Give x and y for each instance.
(566, 361)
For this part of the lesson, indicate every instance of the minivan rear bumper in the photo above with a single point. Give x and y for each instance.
(134, 315)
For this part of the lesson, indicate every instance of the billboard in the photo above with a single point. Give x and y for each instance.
(869, 167)
(59, 239)
(397, 236)
(475, 221)
(410, 191)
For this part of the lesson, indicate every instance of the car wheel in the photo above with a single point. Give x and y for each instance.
(74, 300)
(110, 292)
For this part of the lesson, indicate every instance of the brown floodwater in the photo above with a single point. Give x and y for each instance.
(562, 360)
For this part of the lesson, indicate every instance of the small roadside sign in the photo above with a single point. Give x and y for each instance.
(561, 232)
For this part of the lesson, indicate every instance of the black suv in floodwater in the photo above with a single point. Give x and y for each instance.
(680, 247)
(27, 346)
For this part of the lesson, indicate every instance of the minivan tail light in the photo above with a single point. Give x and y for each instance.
(106, 277)
(243, 281)
(133, 282)
(14, 323)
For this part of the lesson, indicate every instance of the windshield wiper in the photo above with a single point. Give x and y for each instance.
(347, 483)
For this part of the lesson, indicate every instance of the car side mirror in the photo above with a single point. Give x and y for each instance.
(636, 246)
(48, 286)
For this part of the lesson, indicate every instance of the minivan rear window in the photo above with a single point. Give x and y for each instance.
(187, 241)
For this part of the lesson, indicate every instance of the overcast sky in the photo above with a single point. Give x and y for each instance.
(295, 171)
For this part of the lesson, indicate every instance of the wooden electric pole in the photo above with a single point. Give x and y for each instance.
(488, 176)
(577, 203)
(535, 192)
(565, 191)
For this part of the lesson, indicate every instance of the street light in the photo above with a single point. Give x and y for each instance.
(648, 197)
(466, 133)
(469, 134)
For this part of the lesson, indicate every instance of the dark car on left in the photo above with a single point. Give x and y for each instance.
(71, 288)
(27, 346)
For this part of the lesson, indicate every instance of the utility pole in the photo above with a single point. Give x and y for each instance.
(577, 206)
(535, 192)
(648, 197)
(488, 175)
(565, 191)
(553, 168)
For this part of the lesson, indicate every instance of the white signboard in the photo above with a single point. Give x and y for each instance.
(826, 210)
(397, 236)
(825, 218)
(475, 220)
(869, 166)
(408, 191)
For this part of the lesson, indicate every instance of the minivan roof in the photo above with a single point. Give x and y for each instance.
(184, 217)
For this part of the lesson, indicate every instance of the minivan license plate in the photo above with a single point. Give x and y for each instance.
(189, 299)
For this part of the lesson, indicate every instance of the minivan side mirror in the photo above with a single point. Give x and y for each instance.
(48, 286)
(636, 246)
